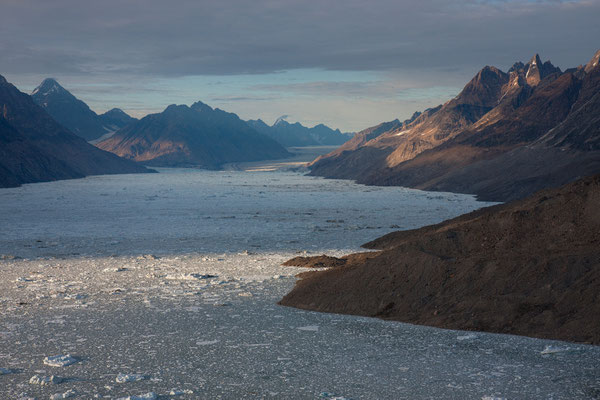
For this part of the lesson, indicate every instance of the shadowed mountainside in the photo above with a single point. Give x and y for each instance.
(297, 135)
(74, 114)
(35, 148)
(196, 136)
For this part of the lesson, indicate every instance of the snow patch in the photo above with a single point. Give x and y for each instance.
(402, 132)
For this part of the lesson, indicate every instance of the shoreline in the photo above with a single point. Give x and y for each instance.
(530, 267)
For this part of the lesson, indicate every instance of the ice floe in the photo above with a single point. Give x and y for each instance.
(179, 392)
(189, 277)
(206, 342)
(332, 396)
(65, 395)
(60, 360)
(309, 328)
(45, 380)
(147, 396)
(554, 349)
(124, 378)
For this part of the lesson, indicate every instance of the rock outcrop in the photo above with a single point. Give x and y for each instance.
(530, 267)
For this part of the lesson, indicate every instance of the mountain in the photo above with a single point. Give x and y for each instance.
(297, 135)
(503, 137)
(198, 136)
(530, 267)
(35, 148)
(115, 119)
(68, 110)
(112, 121)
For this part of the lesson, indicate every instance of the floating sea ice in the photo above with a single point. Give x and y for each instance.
(115, 269)
(147, 396)
(206, 342)
(309, 328)
(332, 396)
(78, 296)
(554, 349)
(123, 378)
(60, 360)
(45, 380)
(65, 395)
(189, 277)
(469, 336)
(177, 392)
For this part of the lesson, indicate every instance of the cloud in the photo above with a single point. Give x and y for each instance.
(182, 38)
(386, 58)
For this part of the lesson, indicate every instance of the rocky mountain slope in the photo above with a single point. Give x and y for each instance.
(35, 148)
(503, 137)
(297, 135)
(196, 136)
(74, 114)
(530, 267)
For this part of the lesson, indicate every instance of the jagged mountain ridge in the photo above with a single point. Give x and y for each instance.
(74, 114)
(36, 148)
(195, 136)
(297, 135)
(451, 147)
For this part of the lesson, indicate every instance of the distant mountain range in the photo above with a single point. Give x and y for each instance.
(36, 148)
(77, 116)
(297, 135)
(196, 136)
(506, 135)
(74, 114)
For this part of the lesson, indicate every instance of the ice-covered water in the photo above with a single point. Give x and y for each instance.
(184, 210)
(166, 284)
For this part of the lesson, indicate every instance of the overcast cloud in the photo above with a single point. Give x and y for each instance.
(384, 46)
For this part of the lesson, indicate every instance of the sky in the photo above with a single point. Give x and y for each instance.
(349, 64)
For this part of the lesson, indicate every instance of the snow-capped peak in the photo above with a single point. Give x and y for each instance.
(48, 86)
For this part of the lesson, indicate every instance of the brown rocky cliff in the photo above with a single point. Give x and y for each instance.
(531, 268)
